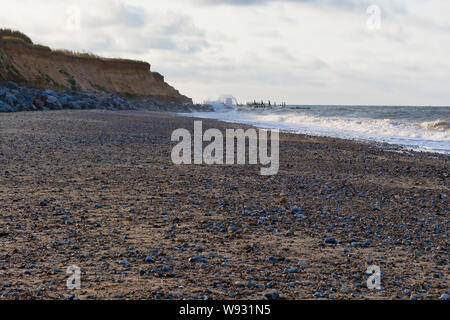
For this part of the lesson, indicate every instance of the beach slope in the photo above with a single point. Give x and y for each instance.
(97, 189)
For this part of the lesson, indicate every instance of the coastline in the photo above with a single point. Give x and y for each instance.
(95, 188)
(379, 142)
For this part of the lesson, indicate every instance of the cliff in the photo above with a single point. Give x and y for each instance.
(40, 67)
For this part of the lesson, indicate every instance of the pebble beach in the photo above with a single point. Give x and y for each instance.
(97, 189)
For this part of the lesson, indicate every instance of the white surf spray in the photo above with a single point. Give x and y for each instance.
(420, 128)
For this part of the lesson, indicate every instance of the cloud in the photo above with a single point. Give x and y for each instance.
(299, 51)
(344, 4)
(117, 14)
(120, 28)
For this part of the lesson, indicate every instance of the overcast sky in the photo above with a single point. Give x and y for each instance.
(298, 51)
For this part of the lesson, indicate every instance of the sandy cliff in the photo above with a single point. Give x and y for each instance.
(40, 67)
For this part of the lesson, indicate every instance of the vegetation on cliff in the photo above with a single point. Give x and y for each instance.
(14, 35)
(8, 34)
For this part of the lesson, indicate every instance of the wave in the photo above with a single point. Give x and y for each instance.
(360, 127)
(430, 135)
(435, 125)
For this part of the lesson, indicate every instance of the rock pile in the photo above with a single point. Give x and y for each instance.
(15, 98)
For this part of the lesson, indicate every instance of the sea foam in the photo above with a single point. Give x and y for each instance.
(418, 128)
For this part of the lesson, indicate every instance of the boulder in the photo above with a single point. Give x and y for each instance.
(5, 107)
(49, 92)
(10, 99)
(12, 85)
(53, 103)
(39, 104)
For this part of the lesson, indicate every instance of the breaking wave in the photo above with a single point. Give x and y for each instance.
(424, 128)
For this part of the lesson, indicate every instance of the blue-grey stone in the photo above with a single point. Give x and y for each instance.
(331, 241)
(271, 295)
(296, 210)
(444, 297)
(12, 85)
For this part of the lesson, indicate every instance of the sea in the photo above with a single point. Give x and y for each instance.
(417, 128)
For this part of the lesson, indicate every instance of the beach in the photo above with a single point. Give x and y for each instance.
(97, 189)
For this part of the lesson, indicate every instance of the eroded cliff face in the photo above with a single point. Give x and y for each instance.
(40, 67)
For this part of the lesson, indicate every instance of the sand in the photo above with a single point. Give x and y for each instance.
(97, 188)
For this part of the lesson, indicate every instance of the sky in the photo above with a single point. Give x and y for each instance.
(358, 52)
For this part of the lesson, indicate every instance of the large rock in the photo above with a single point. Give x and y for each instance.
(5, 107)
(53, 103)
(12, 85)
(31, 99)
(38, 103)
(10, 99)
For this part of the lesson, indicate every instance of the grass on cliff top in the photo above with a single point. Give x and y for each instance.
(90, 55)
(86, 55)
(13, 38)
(13, 35)
(9, 34)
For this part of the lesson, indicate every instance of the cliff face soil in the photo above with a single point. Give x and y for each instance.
(40, 67)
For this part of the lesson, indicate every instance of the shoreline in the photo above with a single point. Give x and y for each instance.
(386, 146)
(423, 130)
(16, 98)
(97, 189)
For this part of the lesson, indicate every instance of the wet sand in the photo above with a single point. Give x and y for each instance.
(97, 189)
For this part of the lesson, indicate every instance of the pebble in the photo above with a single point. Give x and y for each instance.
(304, 265)
(197, 259)
(271, 295)
(360, 244)
(43, 203)
(319, 295)
(331, 241)
(166, 269)
(444, 297)
(296, 210)
(291, 270)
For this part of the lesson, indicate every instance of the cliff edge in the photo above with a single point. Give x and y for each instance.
(40, 67)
